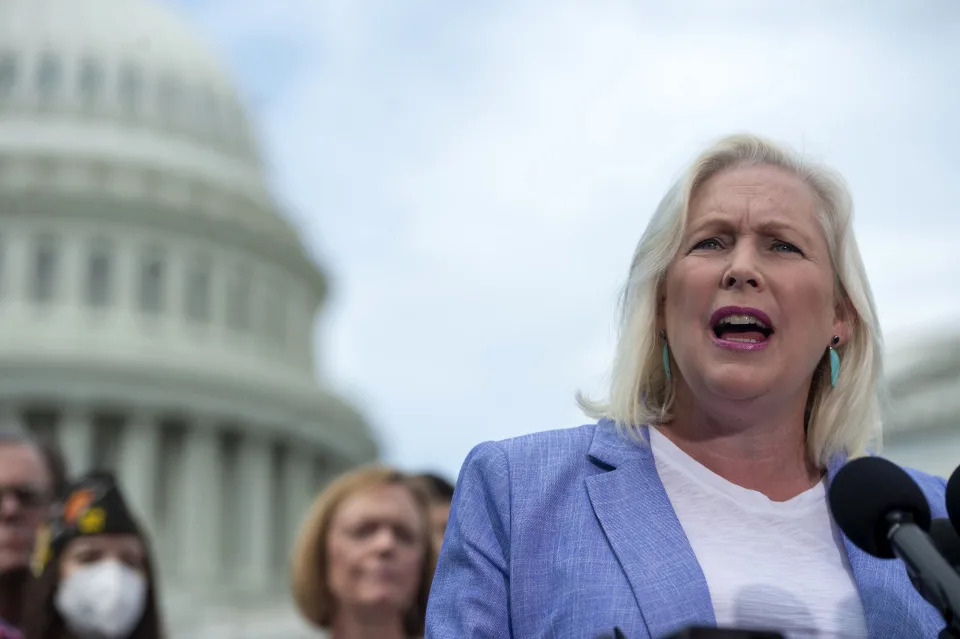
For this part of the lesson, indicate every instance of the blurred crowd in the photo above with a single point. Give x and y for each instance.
(75, 562)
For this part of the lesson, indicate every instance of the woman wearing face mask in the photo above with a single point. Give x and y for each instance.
(92, 572)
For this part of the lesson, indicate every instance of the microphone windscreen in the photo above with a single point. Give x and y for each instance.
(864, 492)
(946, 539)
(953, 498)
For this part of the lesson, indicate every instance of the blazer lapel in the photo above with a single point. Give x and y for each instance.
(641, 526)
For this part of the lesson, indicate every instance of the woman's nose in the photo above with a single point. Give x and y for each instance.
(385, 539)
(742, 270)
(10, 505)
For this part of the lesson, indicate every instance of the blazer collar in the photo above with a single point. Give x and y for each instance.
(641, 526)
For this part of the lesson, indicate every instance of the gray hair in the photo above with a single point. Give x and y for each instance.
(841, 419)
(18, 435)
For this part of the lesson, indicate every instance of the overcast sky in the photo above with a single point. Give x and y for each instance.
(475, 176)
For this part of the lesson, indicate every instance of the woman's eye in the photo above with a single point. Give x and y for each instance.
(710, 244)
(781, 246)
(405, 535)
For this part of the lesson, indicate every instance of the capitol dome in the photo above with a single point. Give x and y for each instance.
(140, 108)
(158, 308)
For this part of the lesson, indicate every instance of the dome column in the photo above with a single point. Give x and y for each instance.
(11, 420)
(199, 533)
(256, 497)
(75, 433)
(13, 283)
(299, 482)
(138, 464)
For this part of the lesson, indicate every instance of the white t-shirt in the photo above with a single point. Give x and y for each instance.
(768, 565)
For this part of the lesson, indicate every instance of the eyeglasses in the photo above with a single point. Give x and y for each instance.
(27, 495)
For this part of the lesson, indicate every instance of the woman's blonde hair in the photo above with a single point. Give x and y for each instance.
(309, 569)
(841, 419)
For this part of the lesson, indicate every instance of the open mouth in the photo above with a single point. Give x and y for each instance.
(747, 326)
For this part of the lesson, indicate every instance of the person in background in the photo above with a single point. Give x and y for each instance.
(29, 477)
(440, 493)
(363, 560)
(92, 573)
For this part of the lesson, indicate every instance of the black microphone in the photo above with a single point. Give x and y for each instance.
(953, 499)
(947, 540)
(881, 509)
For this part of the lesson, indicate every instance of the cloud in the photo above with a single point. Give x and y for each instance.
(476, 178)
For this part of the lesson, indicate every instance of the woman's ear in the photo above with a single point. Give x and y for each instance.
(845, 318)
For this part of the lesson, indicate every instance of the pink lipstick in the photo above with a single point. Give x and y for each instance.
(740, 328)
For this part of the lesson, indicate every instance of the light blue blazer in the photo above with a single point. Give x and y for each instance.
(569, 533)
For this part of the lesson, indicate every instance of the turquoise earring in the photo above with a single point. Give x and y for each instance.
(834, 361)
(666, 355)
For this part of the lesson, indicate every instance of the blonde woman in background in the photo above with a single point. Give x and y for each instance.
(363, 560)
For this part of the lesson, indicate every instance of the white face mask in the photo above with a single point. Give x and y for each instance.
(104, 600)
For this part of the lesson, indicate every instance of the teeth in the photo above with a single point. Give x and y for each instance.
(742, 319)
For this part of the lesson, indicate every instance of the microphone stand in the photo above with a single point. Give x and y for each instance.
(931, 575)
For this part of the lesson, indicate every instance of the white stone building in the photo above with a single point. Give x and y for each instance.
(157, 311)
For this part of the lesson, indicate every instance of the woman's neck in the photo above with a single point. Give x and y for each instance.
(763, 450)
(362, 625)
